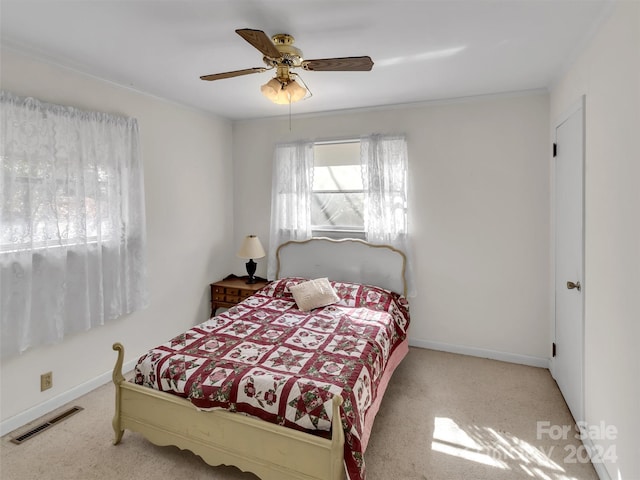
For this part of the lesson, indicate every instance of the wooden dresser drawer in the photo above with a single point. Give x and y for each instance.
(232, 290)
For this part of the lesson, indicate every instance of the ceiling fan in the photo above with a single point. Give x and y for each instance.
(279, 53)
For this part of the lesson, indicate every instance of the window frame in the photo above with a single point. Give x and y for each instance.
(337, 232)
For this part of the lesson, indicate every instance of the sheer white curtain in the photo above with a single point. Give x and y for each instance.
(292, 183)
(384, 176)
(72, 221)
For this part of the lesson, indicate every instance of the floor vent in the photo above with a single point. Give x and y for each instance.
(43, 426)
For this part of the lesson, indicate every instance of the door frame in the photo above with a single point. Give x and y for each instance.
(575, 107)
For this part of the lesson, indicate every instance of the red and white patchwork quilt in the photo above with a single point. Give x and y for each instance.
(266, 358)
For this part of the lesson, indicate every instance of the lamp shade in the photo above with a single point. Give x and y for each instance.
(295, 91)
(271, 89)
(251, 248)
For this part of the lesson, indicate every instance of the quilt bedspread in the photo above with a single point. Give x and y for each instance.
(266, 358)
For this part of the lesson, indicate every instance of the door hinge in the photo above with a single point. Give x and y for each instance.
(555, 150)
(553, 349)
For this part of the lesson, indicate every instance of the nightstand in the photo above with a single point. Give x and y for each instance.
(232, 290)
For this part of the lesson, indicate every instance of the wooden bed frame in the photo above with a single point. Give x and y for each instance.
(270, 451)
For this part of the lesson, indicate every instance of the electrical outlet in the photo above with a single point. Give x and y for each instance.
(46, 381)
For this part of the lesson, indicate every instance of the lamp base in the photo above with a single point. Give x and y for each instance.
(251, 270)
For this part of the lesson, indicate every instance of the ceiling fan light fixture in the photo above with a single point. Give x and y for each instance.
(283, 93)
(280, 54)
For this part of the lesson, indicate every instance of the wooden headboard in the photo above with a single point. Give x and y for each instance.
(346, 260)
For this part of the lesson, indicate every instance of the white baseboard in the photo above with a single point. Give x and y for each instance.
(596, 461)
(481, 352)
(21, 419)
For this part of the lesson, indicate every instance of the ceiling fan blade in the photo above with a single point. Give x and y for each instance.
(339, 64)
(235, 73)
(261, 41)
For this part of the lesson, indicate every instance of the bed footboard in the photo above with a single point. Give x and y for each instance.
(272, 452)
(118, 379)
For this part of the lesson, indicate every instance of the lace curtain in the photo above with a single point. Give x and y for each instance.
(72, 221)
(292, 183)
(384, 177)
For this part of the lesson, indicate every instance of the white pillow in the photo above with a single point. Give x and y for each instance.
(313, 294)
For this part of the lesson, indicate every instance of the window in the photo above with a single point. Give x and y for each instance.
(355, 189)
(337, 197)
(63, 212)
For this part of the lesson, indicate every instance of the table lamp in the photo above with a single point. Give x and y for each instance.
(251, 248)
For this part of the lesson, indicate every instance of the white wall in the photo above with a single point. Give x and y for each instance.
(479, 213)
(608, 73)
(188, 190)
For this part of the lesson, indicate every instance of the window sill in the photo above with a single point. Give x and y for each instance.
(339, 234)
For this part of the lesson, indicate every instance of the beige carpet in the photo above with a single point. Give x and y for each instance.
(444, 416)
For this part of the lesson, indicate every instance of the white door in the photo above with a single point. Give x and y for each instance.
(568, 363)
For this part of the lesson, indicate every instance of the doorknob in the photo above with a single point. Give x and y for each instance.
(571, 286)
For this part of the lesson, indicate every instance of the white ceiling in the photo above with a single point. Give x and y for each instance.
(422, 50)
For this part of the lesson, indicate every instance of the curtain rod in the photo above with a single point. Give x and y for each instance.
(330, 142)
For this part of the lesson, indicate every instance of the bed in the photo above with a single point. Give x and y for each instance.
(270, 388)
